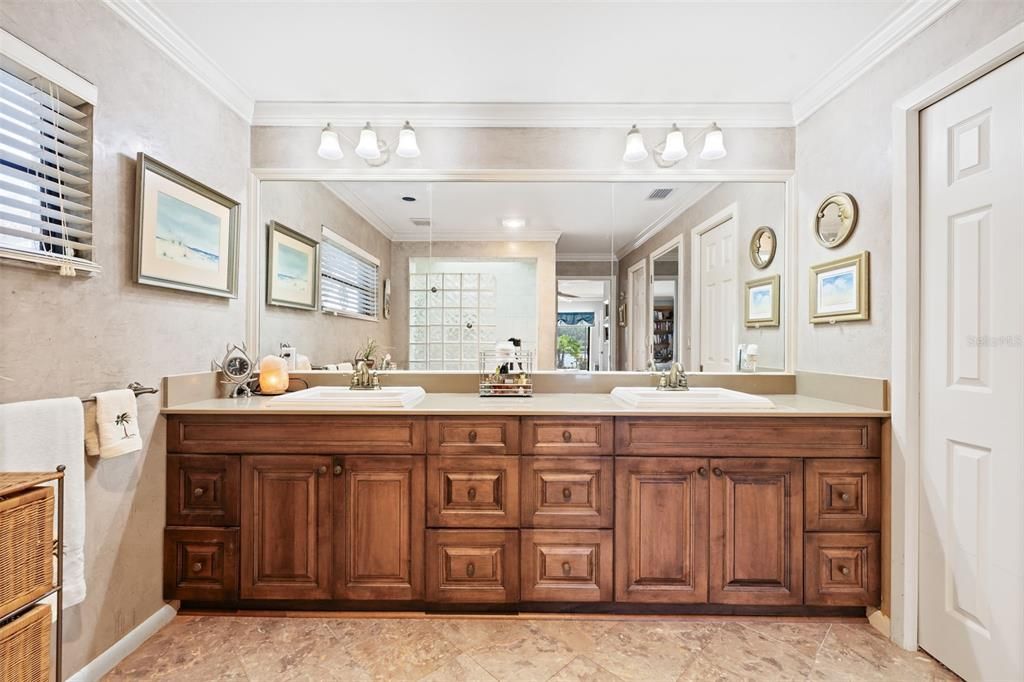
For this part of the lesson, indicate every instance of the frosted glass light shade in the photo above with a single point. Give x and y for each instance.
(407, 147)
(714, 145)
(367, 147)
(330, 145)
(635, 149)
(675, 146)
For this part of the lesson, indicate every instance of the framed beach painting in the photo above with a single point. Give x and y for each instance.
(293, 268)
(761, 306)
(839, 290)
(186, 234)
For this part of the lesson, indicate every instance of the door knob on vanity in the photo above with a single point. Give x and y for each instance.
(716, 471)
(471, 494)
(322, 469)
(567, 493)
(702, 472)
(198, 492)
(338, 469)
(845, 497)
(566, 568)
(197, 566)
(845, 570)
(470, 569)
(566, 436)
(472, 436)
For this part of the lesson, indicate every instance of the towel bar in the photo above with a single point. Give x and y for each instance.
(135, 386)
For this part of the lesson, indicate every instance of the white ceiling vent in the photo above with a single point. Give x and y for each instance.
(659, 194)
(420, 222)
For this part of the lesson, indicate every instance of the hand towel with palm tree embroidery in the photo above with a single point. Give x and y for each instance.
(117, 421)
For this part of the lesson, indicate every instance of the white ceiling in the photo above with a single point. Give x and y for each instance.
(588, 219)
(500, 51)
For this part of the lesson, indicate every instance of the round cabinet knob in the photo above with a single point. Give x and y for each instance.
(470, 569)
(566, 568)
(703, 471)
(471, 494)
(845, 497)
(198, 492)
(845, 570)
(338, 469)
(716, 471)
(322, 469)
(472, 436)
(566, 436)
(197, 566)
(567, 493)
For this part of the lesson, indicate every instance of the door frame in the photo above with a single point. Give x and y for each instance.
(612, 280)
(730, 212)
(630, 316)
(674, 243)
(906, 323)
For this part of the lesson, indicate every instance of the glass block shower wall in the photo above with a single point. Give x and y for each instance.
(451, 316)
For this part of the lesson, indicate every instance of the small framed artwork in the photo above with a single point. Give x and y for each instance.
(186, 234)
(293, 268)
(839, 290)
(387, 299)
(761, 305)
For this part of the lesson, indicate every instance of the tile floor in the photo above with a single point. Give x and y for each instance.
(453, 648)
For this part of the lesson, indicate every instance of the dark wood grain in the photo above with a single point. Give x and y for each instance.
(756, 545)
(843, 569)
(472, 566)
(473, 492)
(566, 565)
(201, 564)
(843, 494)
(567, 492)
(203, 490)
(473, 435)
(661, 530)
(572, 436)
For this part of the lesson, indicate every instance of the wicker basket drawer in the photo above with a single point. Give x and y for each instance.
(26, 547)
(25, 647)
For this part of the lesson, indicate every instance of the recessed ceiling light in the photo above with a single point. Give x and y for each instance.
(408, 198)
(513, 223)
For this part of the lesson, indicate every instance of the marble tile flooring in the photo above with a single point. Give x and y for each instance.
(453, 648)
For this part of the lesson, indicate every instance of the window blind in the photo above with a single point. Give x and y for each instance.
(348, 278)
(45, 172)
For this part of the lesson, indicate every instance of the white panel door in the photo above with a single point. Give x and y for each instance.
(638, 315)
(972, 378)
(718, 298)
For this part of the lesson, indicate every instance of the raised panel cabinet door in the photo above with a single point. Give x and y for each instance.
(379, 523)
(661, 530)
(472, 566)
(286, 527)
(756, 531)
(202, 490)
(472, 492)
(565, 565)
(473, 435)
(567, 492)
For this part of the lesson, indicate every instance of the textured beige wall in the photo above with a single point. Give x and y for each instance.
(305, 207)
(758, 203)
(63, 336)
(846, 146)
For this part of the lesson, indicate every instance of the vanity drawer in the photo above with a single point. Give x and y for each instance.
(568, 435)
(563, 565)
(842, 569)
(473, 435)
(843, 494)
(203, 490)
(201, 564)
(472, 566)
(474, 492)
(567, 492)
(749, 436)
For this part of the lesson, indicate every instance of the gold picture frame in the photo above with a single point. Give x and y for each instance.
(287, 286)
(840, 290)
(761, 302)
(762, 236)
(835, 219)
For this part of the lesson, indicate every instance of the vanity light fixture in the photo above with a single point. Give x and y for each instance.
(330, 144)
(673, 149)
(368, 148)
(635, 149)
(407, 147)
(513, 223)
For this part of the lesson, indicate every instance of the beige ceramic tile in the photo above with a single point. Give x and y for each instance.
(579, 635)
(858, 652)
(460, 669)
(582, 669)
(511, 649)
(804, 637)
(744, 653)
(395, 649)
(651, 651)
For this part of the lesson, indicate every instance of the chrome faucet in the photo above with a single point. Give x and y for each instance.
(363, 379)
(676, 379)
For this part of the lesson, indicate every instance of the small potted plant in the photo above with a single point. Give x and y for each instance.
(368, 352)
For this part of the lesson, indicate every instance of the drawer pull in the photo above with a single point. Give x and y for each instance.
(566, 436)
(197, 566)
(566, 568)
(471, 494)
(845, 497)
(472, 436)
(845, 570)
(198, 492)
(716, 471)
(338, 469)
(702, 472)
(322, 469)
(470, 570)
(567, 493)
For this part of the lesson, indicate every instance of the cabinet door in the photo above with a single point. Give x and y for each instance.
(756, 538)
(286, 527)
(473, 492)
(379, 522)
(661, 529)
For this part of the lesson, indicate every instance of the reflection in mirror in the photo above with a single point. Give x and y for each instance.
(588, 276)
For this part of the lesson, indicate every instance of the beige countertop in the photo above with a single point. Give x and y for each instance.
(575, 404)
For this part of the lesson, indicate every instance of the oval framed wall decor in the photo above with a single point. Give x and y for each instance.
(835, 219)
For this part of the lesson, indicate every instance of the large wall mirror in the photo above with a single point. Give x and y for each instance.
(589, 276)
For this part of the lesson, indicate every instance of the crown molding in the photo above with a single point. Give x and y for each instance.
(904, 25)
(478, 236)
(352, 200)
(585, 258)
(148, 21)
(662, 222)
(522, 114)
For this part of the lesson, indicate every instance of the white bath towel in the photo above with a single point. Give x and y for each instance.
(117, 421)
(37, 436)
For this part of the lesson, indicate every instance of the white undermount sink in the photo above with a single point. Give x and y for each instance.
(694, 399)
(328, 397)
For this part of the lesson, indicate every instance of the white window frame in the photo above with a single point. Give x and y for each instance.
(334, 239)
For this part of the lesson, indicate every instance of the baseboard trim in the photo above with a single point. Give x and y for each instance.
(108, 660)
